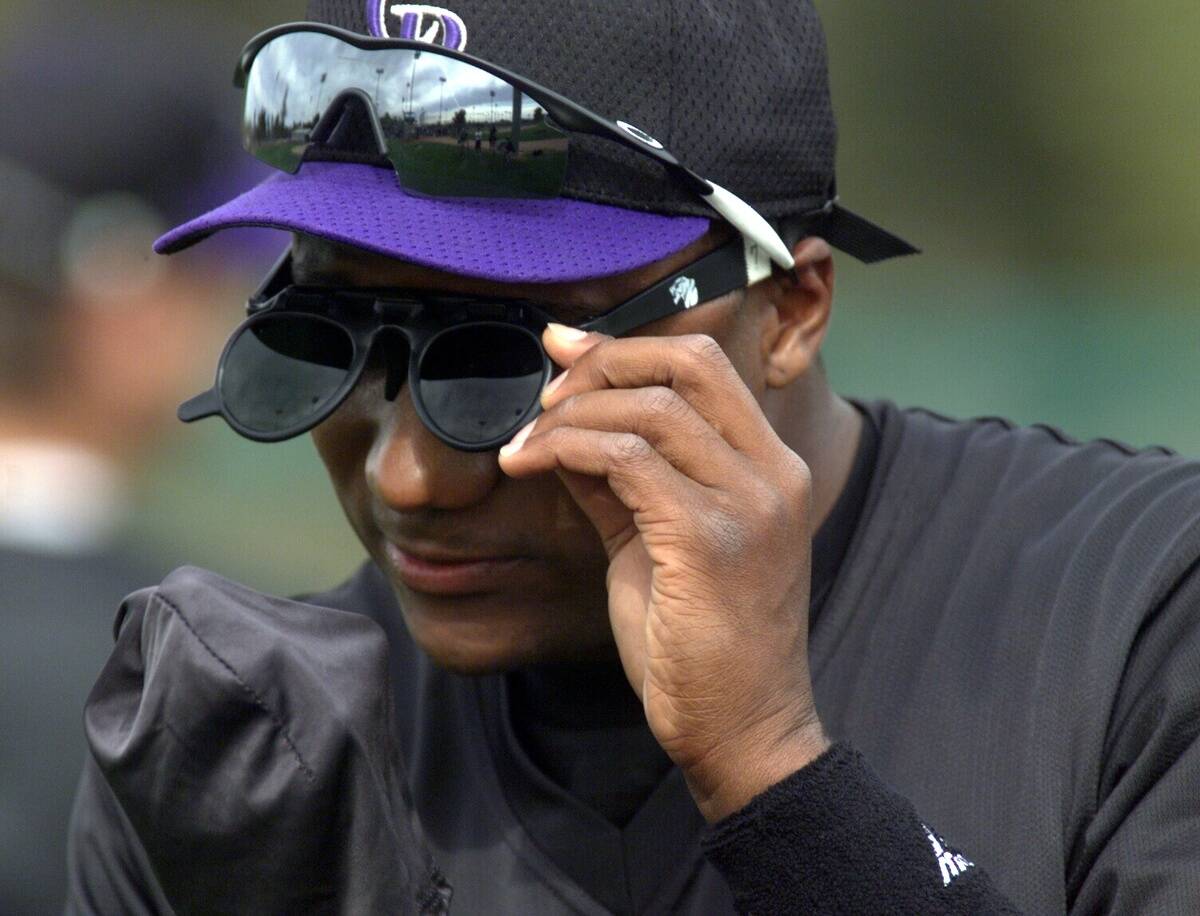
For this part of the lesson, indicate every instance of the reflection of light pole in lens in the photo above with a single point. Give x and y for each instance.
(493, 94)
(378, 77)
(275, 96)
(441, 99)
(412, 79)
(320, 92)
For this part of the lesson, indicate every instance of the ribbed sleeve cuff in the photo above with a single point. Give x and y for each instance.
(832, 838)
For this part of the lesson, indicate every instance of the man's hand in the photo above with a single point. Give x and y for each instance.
(704, 513)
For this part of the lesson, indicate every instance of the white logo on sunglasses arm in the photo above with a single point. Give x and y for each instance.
(685, 292)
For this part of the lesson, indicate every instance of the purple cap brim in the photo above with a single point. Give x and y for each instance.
(514, 241)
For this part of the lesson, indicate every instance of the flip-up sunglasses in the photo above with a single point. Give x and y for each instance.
(475, 366)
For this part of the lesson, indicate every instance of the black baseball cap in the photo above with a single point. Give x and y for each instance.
(737, 90)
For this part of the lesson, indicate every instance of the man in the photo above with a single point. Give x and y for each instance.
(1001, 621)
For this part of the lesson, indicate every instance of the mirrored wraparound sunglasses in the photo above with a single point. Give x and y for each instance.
(475, 367)
(451, 125)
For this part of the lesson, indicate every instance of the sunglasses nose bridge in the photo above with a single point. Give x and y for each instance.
(396, 348)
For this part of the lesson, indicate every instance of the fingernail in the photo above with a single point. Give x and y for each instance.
(564, 333)
(518, 440)
(555, 384)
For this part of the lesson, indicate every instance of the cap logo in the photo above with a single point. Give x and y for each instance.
(638, 134)
(685, 292)
(416, 22)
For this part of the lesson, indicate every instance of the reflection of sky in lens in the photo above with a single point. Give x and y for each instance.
(295, 63)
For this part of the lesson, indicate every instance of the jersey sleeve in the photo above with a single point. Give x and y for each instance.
(1140, 851)
(107, 868)
(832, 838)
(244, 759)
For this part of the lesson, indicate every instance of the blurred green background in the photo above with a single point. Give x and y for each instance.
(1045, 156)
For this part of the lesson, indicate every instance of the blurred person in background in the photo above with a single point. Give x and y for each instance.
(108, 131)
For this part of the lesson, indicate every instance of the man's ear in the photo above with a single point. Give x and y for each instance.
(798, 309)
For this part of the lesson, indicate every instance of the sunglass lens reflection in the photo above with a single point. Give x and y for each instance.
(451, 129)
(479, 382)
(283, 370)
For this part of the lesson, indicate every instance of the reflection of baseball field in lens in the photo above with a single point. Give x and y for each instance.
(282, 154)
(442, 167)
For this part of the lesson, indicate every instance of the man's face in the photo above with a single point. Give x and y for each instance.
(402, 488)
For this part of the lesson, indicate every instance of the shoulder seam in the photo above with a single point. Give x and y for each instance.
(250, 691)
(1053, 432)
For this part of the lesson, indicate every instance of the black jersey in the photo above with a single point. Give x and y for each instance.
(1008, 656)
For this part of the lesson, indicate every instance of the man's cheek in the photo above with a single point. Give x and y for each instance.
(342, 457)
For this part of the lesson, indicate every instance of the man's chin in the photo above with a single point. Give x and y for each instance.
(475, 667)
(474, 654)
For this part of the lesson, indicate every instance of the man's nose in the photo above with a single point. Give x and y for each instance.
(409, 468)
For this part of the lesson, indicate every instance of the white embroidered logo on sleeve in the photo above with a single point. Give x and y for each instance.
(951, 863)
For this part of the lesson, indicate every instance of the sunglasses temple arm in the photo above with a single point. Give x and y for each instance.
(208, 403)
(743, 217)
(199, 407)
(750, 223)
(736, 264)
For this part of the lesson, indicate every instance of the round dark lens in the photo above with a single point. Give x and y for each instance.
(283, 369)
(478, 382)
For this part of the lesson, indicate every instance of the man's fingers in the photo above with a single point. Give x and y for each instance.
(694, 366)
(566, 344)
(638, 476)
(660, 416)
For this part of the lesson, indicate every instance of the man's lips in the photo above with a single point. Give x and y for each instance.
(438, 571)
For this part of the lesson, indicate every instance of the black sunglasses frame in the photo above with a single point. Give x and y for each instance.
(421, 318)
